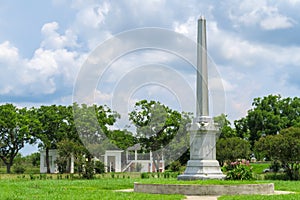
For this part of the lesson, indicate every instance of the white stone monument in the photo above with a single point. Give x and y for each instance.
(203, 131)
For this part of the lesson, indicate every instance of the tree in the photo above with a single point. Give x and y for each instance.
(283, 147)
(15, 131)
(268, 116)
(93, 127)
(52, 127)
(156, 125)
(225, 129)
(231, 149)
(123, 139)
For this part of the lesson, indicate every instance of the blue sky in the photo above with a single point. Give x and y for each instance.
(255, 46)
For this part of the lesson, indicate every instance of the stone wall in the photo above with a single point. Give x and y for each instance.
(194, 189)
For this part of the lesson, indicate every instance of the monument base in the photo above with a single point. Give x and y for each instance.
(202, 169)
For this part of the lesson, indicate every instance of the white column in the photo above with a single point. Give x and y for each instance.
(105, 162)
(72, 164)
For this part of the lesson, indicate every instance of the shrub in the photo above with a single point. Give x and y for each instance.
(275, 166)
(239, 171)
(274, 176)
(145, 175)
(19, 169)
(175, 166)
(88, 172)
(99, 167)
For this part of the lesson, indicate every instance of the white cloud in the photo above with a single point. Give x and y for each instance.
(258, 12)
(8, 53)
(93, 15)
(276, 22)
(53, 40)
(51, 67)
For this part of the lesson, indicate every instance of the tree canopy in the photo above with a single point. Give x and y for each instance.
(283, 147)
(15, 131)
(268, 116)
(156, 125)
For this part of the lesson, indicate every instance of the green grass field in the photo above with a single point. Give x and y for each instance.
(26, 186)
(22, 187)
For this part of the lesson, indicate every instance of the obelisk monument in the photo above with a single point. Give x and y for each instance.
(202, 163)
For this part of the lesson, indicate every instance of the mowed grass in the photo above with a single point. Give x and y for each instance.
(104, 187)
(73, 189)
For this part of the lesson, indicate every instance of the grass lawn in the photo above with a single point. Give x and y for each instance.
(258, 168)
(104, 188)
(21, 187)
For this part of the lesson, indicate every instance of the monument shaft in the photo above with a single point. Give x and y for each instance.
(202, 75)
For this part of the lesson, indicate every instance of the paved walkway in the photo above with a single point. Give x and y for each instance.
(201, 197)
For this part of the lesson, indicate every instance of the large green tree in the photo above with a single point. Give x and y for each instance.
(156, 125)
(93, 124)
(268, 116)
(15, 131)
(283, 147)
(53, 125)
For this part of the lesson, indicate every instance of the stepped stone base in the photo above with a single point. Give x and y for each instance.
(202, 169)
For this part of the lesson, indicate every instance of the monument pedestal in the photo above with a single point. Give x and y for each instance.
(202, 163)
(202, 169)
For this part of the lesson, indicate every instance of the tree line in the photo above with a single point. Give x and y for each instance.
(85, 130)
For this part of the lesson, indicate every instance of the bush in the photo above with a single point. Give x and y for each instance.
(19, 169)
(239, 171)
(275, 166)
(88, 172)
(145, 175)
(175, 166)
(99, 167)
(275, 176)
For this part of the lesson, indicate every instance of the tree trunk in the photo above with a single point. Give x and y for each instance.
(8, 166)
(47, 160)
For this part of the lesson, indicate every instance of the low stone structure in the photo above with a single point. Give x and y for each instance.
(196, 189)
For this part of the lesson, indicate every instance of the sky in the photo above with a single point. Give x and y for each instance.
(253, 48)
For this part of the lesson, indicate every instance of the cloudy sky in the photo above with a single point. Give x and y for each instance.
(254, 45)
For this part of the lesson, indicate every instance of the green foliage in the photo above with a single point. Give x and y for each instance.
(225, 128)
(15, 131)
(175, 166)
(275, 166)
(156, 125)
(122, 138)
(33, 159)
(99, 167)
(88, 172)
(284, 147)
(276, 176)
(19, 169)
(145, 175)
(239, 171)
(268, 116)
(231, 149)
